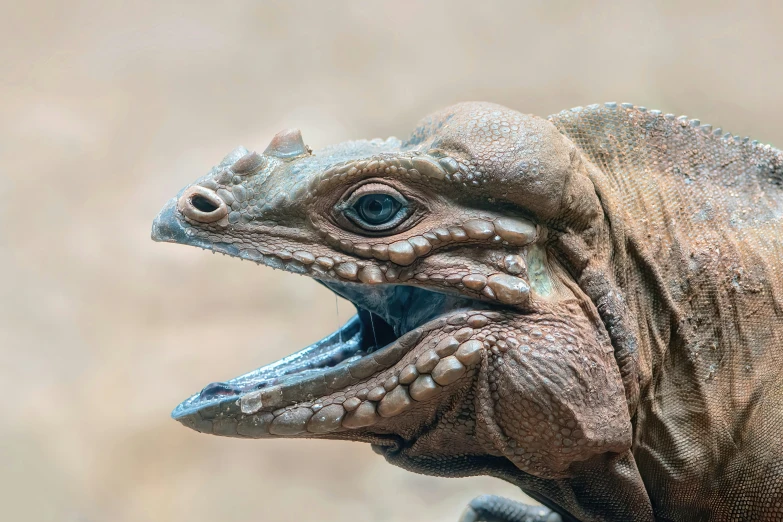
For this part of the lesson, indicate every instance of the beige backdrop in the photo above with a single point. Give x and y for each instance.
(108, 108)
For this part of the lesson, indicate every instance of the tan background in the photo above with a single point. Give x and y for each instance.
(108, 108)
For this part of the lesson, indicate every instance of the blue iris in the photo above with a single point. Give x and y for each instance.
(377, 209)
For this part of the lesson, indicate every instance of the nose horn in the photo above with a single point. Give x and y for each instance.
(287, 144)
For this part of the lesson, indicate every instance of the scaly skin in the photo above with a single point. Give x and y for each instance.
(597, 317)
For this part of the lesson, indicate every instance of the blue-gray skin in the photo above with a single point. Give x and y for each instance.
(563, 304)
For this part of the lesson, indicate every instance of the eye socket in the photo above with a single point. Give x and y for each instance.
(375, 207)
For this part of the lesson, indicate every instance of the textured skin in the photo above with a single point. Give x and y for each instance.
(620, 355)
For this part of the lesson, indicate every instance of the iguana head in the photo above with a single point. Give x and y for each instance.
(474, 346)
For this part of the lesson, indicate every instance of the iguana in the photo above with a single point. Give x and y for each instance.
(589, 306)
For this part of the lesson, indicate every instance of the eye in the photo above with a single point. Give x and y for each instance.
(375, 207)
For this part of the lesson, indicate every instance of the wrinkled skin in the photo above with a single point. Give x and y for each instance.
(522, 305)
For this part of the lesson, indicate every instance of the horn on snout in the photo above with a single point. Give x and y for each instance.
(287, 144)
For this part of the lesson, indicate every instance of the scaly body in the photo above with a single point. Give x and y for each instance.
(587, 306)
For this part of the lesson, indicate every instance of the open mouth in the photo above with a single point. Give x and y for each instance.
(390, 321)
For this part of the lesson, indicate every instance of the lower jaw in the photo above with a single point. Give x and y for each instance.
(326, 402)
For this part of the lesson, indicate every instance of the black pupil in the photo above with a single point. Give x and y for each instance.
(377, 209)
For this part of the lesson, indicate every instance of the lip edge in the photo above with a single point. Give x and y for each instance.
(231, 404)
(184, 408)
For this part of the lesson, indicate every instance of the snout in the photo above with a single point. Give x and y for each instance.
(167, 227)
(202, 204)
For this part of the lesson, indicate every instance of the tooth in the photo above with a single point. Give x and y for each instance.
(509, 289)
(395, 402)
(327, 419)
(478, 229)
(427, 361)
(447, 347)
(463, 334)
(255, 425)
(474, 281)
(515, 231)
(363, 415)
(347, 270)
(408, 374)
(371, 274)
(420, 245)
(402, 253)
(376, 393)
(469, 352)
(291, 422)
(423, 388)
(448, 370)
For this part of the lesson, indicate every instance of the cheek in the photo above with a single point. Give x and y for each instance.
(554, 396)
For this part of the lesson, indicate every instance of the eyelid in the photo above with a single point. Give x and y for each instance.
(345, 208)
(374, 188)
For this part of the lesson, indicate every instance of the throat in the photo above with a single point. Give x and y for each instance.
(379, 333)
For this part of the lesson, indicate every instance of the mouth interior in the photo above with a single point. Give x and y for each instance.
(384, 314)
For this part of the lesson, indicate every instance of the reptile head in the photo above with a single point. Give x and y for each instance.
(473, 342)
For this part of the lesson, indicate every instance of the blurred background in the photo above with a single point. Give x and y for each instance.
(108, 108)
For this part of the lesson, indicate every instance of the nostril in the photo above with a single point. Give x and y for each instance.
(203, 204)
